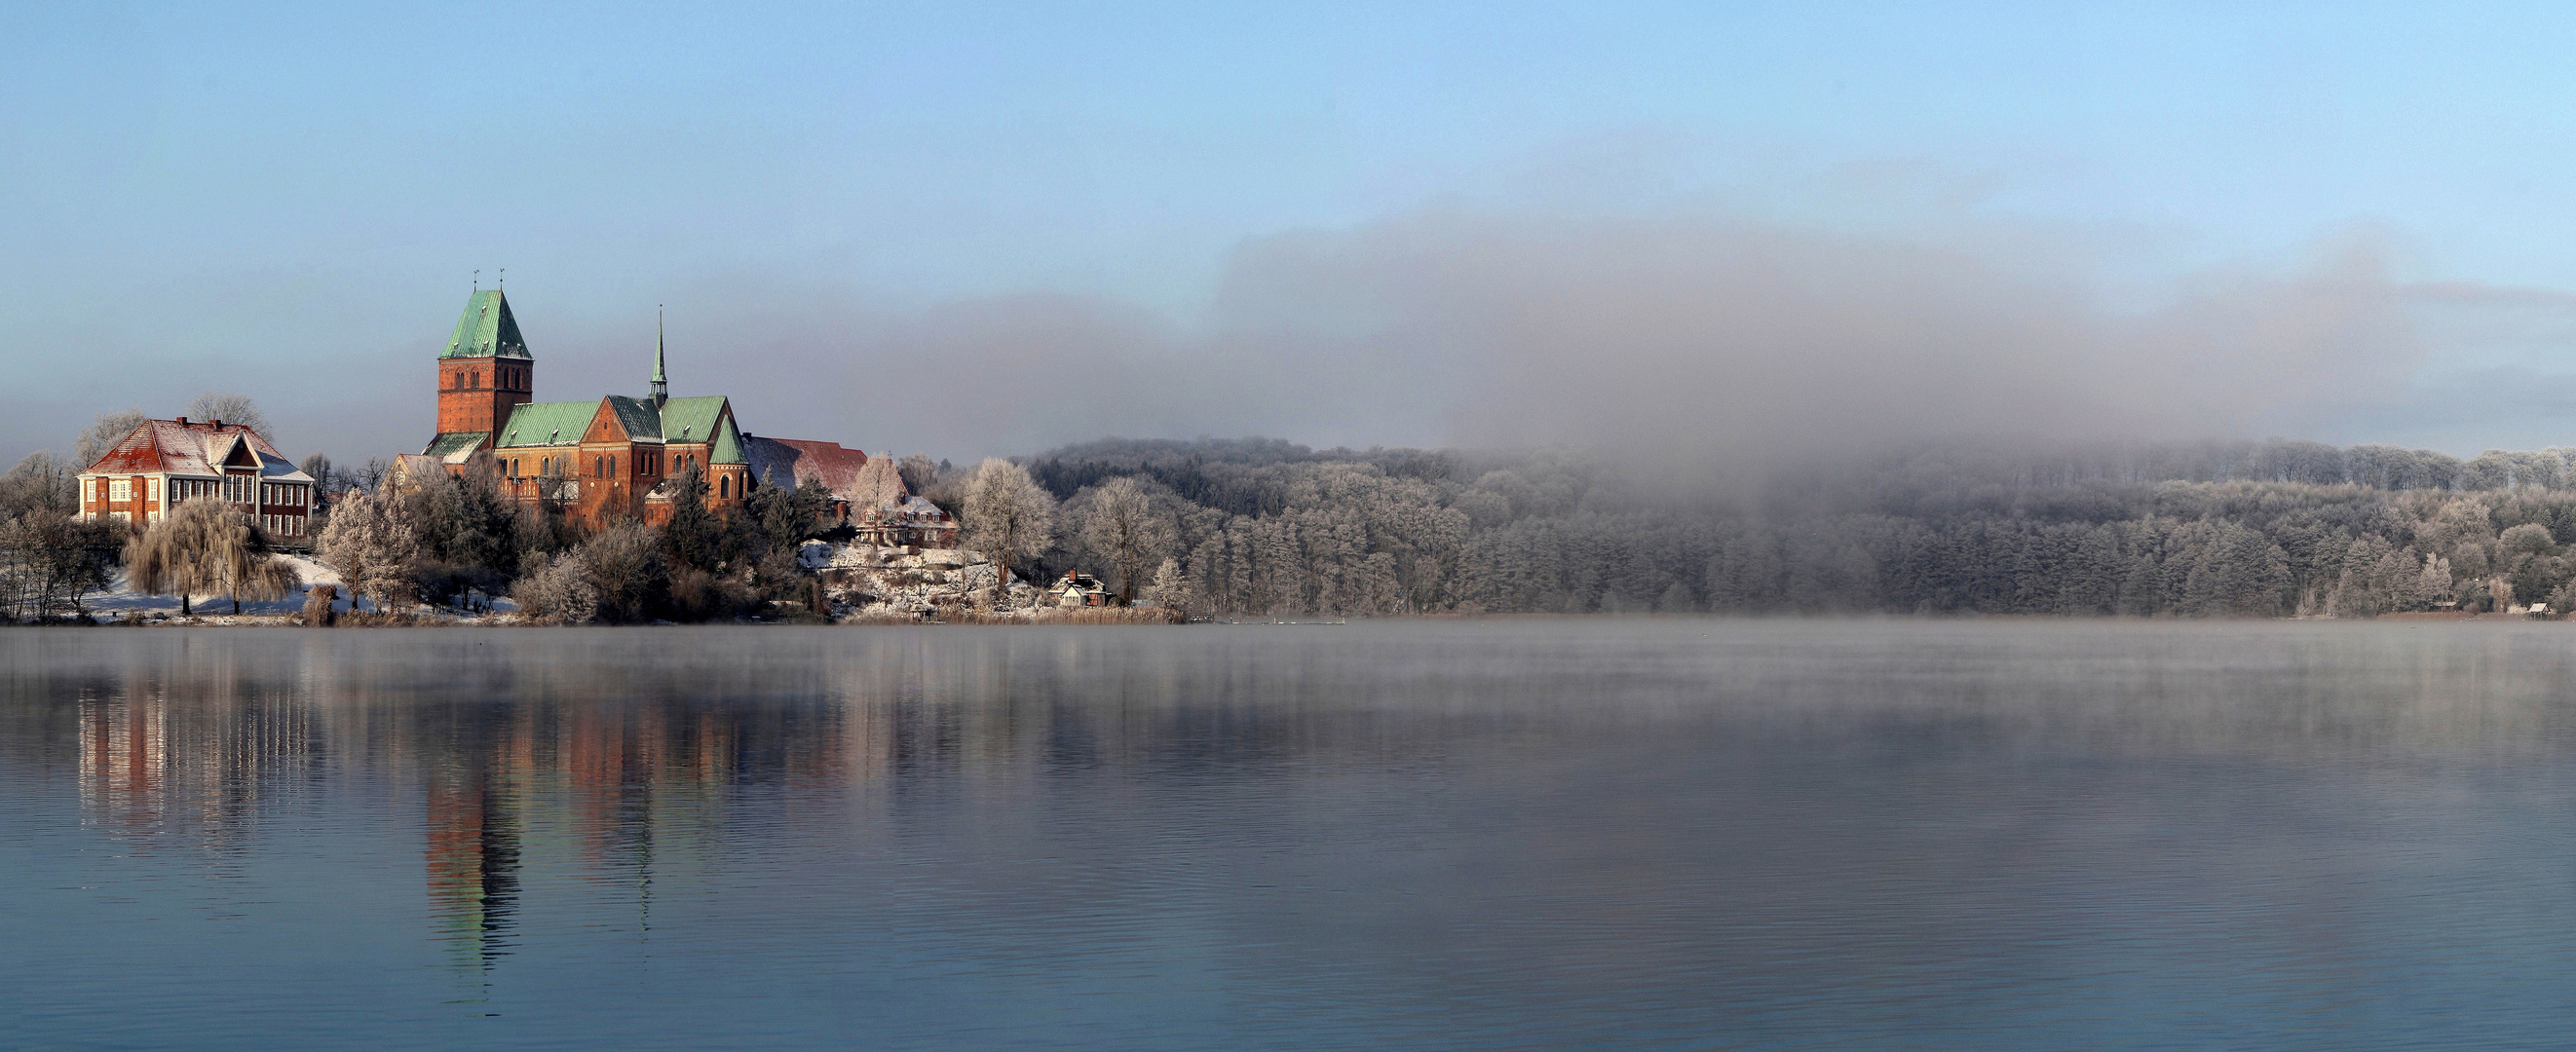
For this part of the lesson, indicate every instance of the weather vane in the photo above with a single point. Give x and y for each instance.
(504, 279)
(478, 279)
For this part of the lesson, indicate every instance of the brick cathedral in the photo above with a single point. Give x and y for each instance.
(621, 456)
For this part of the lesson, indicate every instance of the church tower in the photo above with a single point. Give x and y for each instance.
(661, 392)
(484, 372)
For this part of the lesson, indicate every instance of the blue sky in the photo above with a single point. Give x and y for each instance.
(290, 201)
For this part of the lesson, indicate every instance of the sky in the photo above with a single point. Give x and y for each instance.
(984, 230)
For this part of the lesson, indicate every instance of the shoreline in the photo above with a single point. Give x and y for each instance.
(1093, 616)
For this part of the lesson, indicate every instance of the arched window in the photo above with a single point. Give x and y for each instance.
(724, 487)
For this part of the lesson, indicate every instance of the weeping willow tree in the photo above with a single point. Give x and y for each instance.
(205, 546)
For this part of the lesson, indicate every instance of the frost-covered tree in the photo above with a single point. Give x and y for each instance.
(206, 546)
(628, 570)
(1007, 515)
(2530, 538)
(231, 408)
(1172, 589)
(1122, 524)
(371, 543)
(467, 526)
(560, 592)
(104, 433)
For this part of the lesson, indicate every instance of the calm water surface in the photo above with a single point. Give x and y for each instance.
(1505, 834)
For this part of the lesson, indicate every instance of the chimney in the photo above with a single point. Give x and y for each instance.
(183, 421)
(217, 423)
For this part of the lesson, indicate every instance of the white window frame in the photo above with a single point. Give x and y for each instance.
(120, 490)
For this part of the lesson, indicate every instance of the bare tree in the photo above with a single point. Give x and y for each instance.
(918, 472)
(48, 559)
(1006, 514)
(40, 483)
(1121, 523)
(370, 541)
(104, 433)
(231, 409)
(48, 562)
(205, 546)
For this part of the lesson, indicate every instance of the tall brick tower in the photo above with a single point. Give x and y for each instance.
(484, 373)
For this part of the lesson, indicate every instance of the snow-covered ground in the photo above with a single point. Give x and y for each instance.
(866, 579)
(121, 598)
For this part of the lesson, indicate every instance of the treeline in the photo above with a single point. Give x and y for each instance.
(461, 541)
(49, 561)
(1260, 527)
(1256, 527)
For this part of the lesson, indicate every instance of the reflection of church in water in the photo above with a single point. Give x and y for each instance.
(593, 780)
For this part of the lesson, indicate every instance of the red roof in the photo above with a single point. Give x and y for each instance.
(839, 470)
(187, 447)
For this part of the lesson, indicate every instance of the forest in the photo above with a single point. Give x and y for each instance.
(2262, 529)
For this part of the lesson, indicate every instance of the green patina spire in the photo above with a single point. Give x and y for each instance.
(661, 383)
(487, 330)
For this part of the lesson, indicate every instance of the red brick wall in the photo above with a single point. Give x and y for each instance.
(477, 394)
(95, 500)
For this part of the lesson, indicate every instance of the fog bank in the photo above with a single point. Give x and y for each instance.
(1707, 338)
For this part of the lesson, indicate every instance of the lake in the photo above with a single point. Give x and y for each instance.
(1383, 835)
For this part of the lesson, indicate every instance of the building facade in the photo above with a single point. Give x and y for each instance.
(163, 463)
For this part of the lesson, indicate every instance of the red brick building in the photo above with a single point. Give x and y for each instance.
(162, 463)
(615, 456)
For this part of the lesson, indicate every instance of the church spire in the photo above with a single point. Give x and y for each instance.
(661, 383)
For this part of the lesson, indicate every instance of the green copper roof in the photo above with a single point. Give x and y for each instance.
(546, 424)
(451, 442)
(487, 330)
(691, 419)
(661, 383)
(728, 447)
(642, 421)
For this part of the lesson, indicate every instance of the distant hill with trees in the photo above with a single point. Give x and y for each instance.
(2181, 529)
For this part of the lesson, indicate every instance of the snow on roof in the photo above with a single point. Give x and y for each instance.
(191, 447)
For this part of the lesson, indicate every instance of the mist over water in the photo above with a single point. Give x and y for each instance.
(1681, 833)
